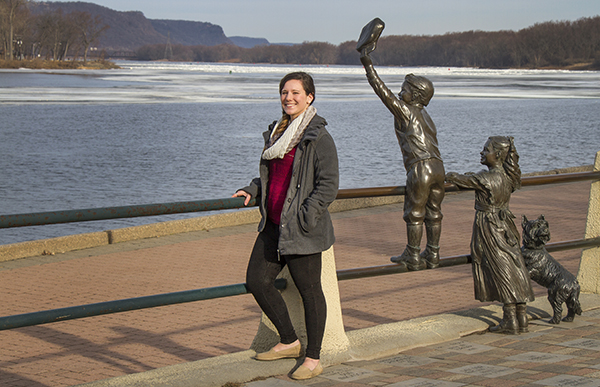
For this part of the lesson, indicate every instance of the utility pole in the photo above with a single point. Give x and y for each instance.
(168, 48)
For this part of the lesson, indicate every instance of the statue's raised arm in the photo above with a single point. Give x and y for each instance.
(367, 43)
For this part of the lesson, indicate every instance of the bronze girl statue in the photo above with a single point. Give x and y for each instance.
(499, 270)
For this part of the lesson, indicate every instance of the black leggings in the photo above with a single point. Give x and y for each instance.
(263, 268)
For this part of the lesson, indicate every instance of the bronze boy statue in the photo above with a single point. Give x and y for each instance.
(417, 136)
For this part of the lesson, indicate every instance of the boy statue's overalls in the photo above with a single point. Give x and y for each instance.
(417, 136)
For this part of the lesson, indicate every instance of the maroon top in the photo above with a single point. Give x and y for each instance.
(280, 174)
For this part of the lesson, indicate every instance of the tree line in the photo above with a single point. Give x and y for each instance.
(561, 44)
(48, 35)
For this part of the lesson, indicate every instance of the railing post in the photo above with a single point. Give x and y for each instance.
(589, 266)
(335, 341)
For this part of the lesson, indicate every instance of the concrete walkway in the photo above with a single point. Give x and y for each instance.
(430, 351)
(409, 311)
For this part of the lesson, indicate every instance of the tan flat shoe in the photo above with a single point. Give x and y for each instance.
(305, 373)
(291, 353)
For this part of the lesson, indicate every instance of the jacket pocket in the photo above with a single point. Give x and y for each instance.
(308, 216)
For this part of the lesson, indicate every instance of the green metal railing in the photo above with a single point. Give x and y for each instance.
(374, 271)
(82, 311)
(68, 216)
(125, 305)
(117, 306)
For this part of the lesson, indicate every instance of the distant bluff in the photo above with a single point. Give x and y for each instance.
(131, 30)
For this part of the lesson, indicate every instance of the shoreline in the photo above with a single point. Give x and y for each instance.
(101, 64)
(39, 64)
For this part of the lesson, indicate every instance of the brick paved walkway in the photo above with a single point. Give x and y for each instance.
(79, 351)
(564, 355)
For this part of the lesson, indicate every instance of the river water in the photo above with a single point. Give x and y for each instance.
(156, 132)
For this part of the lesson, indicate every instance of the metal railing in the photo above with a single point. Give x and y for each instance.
(84, 215)
(117, 306)
(374, 271)
(129, 304)
(125, 305)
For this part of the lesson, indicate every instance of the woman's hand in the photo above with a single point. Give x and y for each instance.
(242, 193)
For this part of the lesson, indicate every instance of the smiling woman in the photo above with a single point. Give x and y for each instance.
(297, 93)
(294, 100)
(298, 181)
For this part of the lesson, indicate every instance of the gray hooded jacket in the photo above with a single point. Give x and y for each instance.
(306, 226)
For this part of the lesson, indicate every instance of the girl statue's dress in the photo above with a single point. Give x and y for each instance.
(499, 271)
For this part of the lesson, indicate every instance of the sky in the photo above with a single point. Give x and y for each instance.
(337, 21)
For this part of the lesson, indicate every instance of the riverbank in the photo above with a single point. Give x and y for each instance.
(38, 64)
(584, 66)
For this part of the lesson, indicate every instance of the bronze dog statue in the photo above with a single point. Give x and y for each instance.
(546, 271)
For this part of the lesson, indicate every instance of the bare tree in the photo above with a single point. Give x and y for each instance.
(9, 12)
(49, 31)
(90, 29)
(316, 53)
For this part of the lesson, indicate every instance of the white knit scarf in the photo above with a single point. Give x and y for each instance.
(290, 137)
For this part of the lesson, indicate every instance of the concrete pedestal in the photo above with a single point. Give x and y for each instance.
(335, 341)
(589, 267)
